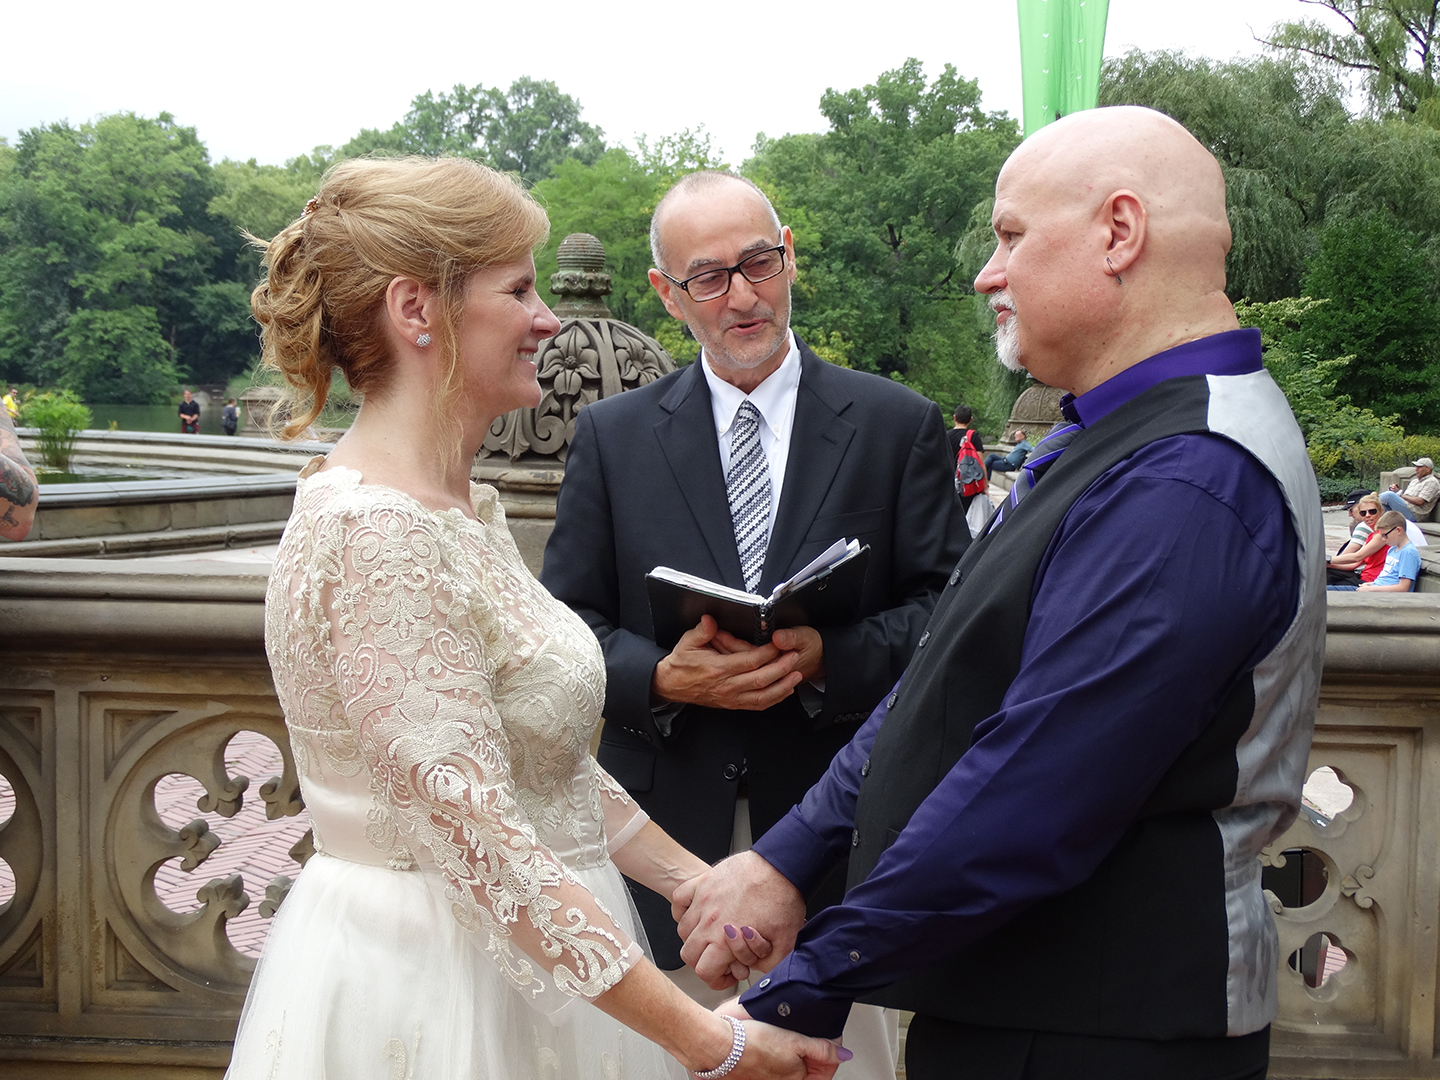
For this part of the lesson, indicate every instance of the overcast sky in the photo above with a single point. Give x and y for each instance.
(271, 80)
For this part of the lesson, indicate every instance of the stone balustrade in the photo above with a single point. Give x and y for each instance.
(119, 675)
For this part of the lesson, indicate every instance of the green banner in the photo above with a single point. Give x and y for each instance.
(1061, 45)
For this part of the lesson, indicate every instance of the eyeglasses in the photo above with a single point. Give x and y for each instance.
(1369, 513)
(713, 284)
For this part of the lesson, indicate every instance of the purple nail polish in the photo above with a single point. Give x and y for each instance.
(749, 934)
(729, 931)
(844, 1055)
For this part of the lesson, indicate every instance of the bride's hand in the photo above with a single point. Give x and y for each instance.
(774, 1052)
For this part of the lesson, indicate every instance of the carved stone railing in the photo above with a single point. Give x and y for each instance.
(117, 676)
(1379, 894)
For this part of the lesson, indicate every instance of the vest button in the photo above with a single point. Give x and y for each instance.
(731, 772)
(955, 577)
(923, 639)
(865, 769)
(854, 956)
(783, 1009)
(890, 701)
(854, 837)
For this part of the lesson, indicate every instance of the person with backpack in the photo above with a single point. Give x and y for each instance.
(967, 449)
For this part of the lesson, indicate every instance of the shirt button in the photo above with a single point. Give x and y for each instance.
(783, 1009)
(764, 983)
(731, 772)
(923, 639)
(854, 837)
(854, 956)
(890, 701)
(865, 769)
(955, 577)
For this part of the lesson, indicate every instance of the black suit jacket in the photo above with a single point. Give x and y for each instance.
(644, 487)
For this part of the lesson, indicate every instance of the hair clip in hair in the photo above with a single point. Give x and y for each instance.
(311, 207)
(423, 340)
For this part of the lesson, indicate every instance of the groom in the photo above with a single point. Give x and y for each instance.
(1053, 823)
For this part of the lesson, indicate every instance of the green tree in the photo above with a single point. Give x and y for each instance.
(529, 129)
(111, 219)
(1390, 44)
(879, 204)
(1382, 312)
(613, 199)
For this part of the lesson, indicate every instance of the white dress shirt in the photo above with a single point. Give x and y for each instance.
(775, 400)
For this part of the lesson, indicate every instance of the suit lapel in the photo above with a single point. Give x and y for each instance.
(818, 443)
(687, 438)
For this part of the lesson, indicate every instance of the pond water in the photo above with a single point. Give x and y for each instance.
(165, 418)
(109, 474)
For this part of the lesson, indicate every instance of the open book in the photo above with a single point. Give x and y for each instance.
(827, 592)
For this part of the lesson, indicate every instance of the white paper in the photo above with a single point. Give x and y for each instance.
(836, 552)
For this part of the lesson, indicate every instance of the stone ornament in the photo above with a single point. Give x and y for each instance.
(593, 356)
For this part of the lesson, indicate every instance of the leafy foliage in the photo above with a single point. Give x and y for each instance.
(1382, 312)
(613, 199)
(106, 237)
(59, 417)
(1390, 44)
(1316, 201)
(529, 129)
(879, 205)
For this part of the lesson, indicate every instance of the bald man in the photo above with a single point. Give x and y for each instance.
(1054, 822)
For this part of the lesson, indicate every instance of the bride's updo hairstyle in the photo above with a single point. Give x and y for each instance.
(321, 304)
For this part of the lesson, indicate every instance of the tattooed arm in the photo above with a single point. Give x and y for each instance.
(18, 490)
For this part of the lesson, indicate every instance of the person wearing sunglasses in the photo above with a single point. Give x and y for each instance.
(1402, 561)
(1362, 557)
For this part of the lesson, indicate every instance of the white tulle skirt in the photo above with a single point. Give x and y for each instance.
(366, 974)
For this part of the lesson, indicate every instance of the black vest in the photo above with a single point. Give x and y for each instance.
(1140, 949)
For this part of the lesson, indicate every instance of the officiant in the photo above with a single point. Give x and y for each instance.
(741, 468)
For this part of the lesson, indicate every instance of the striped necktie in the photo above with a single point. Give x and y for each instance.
(1047, 451)
(748, 486)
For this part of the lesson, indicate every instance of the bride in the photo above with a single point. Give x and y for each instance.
(464, 915)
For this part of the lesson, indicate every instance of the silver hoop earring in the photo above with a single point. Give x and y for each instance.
(423, 340)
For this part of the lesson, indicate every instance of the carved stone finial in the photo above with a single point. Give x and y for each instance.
(593, 356)
(581, 282)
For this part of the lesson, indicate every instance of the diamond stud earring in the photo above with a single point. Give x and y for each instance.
(423, 340)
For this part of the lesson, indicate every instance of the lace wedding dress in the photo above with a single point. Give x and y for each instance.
(461, 908)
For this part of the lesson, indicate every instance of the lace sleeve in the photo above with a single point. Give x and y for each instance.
(415, 668)
(623, 816)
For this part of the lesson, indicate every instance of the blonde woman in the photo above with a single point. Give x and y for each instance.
(464, 916)
(1362, 557)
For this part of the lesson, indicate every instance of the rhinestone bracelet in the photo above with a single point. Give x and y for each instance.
(731, 1059)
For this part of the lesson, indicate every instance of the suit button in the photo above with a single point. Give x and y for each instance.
(783, 1009)
(955, 577)
(854, 956)
(923, 639)
(890, 701)
(731, 772)
(865, 769)
(854, 837)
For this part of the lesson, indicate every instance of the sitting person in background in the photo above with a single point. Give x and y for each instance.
(1402, 561)
(1014, 459)
(1362, 557)
(1420, 495)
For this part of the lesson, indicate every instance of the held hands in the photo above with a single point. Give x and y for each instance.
(775, 1052)
(712, 668)
(742, 890)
